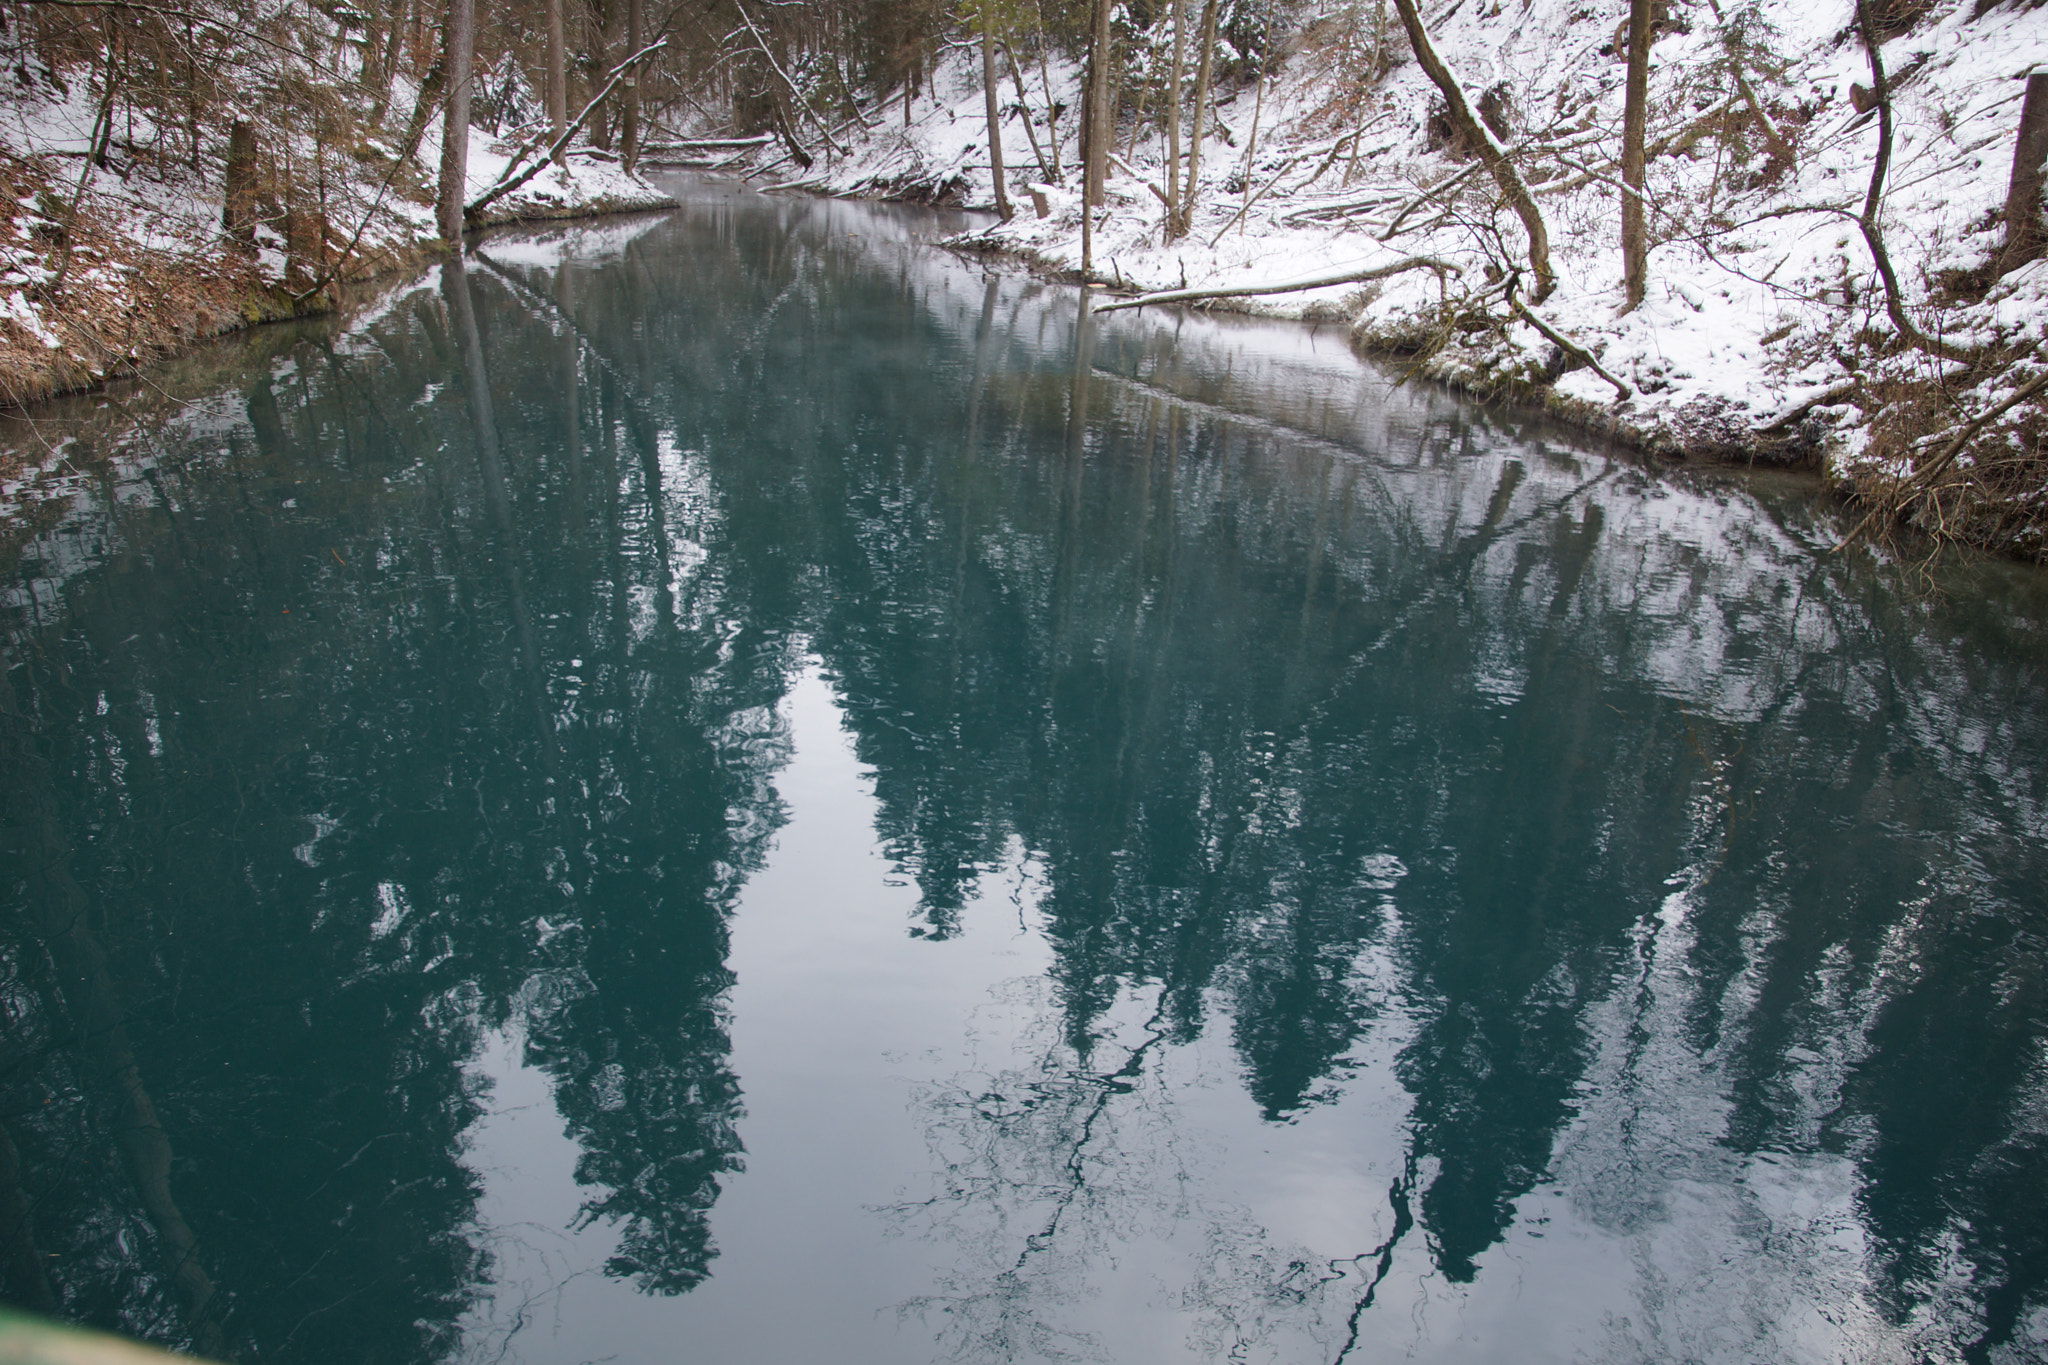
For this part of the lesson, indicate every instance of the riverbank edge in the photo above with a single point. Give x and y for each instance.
(252, 303)
(232, 300)
(1714, 439)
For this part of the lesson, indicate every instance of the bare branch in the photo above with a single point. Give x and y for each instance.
(1873, 234)
(776, 67)
(1133, 173)
(1568, 346)
(506, 186)
(1924, 477)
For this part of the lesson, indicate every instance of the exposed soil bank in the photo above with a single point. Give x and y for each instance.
(90, 330)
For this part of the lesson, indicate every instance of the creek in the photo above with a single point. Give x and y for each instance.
(736, 787)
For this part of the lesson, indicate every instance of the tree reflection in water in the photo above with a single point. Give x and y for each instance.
(1582, 847)
(352, 774)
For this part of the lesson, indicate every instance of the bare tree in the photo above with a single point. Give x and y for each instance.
(995, 118)
(558, 72)
(238, 210)
(1873, 200)
(1205, 67)
(1049, 169)
(1173, 92)
(1097, 129)
(460, 53)
(1635, 116)
(629, 130)
(1477, 136)
(1251, 143)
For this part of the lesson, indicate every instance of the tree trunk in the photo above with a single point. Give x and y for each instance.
(1251, 144)
(1173, 119)
(1097, 125)
(1479, 137)
(629, 95)
(572, 387)
(558, 73)
(1635, 117)
(387, 67)
(432, 86)
(1873, 199)
(1051, 171)
(604, 39)
(995, 117)
(238, 208)
(371, 74)
(455, 118)
(1204, 69)
(1052, 108)
(2025, 236)
(1095, 130)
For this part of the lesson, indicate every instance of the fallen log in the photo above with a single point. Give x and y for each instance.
(1380, 272)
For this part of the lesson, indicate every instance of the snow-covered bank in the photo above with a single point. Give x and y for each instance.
(103, 269)
(1765, 329)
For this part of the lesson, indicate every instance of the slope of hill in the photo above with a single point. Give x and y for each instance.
(113, 186)
(1766, 330)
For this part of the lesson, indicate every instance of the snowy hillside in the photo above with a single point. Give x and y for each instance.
(112, 253)
(1764, 330)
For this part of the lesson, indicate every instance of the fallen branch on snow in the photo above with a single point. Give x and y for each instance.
(1250, 198)
(1331, 210)
(1287, 287)
(1785, 417)
(507, 183)
(1132, 172)
(1569, 347)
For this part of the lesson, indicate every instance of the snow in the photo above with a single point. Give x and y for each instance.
(88, 254)
(1762, 300)
(1762, 296)
(584, 183)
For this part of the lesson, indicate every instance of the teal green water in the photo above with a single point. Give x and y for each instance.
(735, 787)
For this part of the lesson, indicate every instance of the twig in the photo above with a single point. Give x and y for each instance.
(1250, 199)
(349, 250)
(1432, 195)
(1663, 145)
(193, 16)
(1332, 209)
(1933, 469)
(1793, 210)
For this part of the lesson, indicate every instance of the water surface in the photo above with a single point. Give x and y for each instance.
(734, 787)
